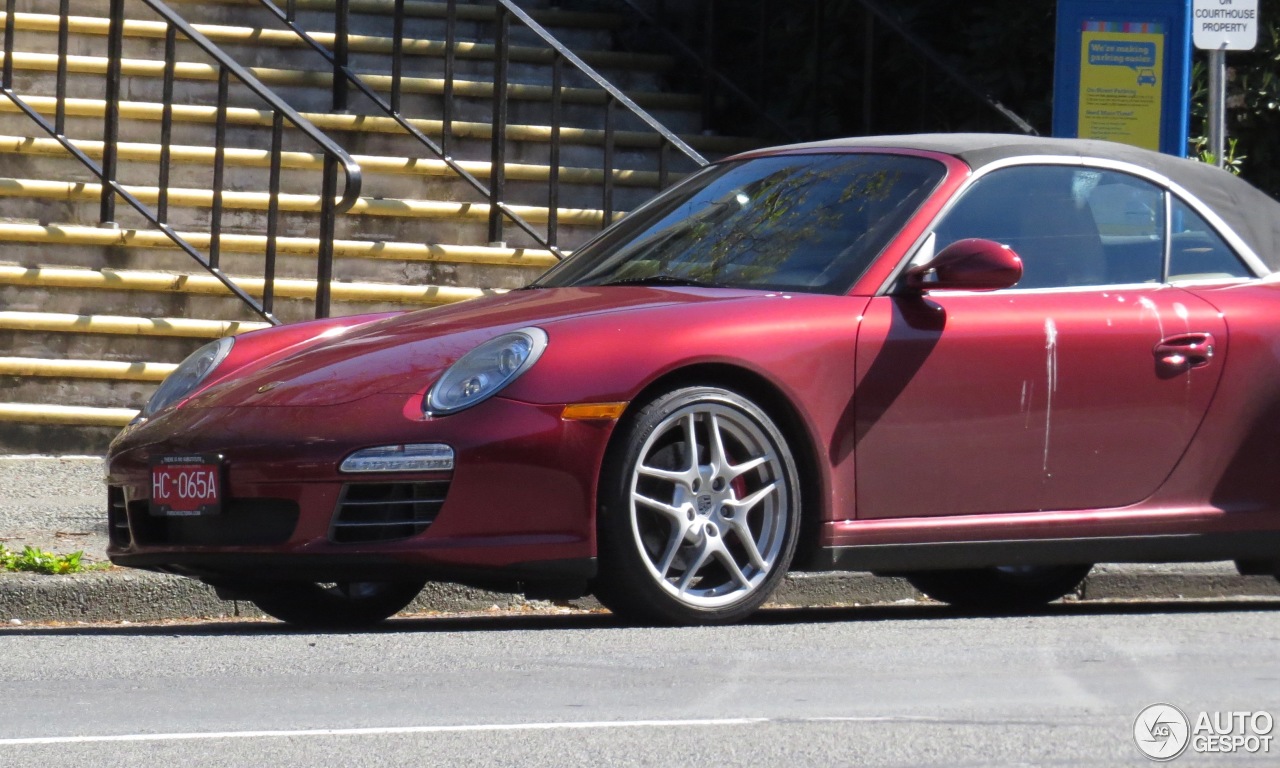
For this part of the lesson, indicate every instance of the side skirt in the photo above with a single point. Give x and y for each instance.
(900, 558)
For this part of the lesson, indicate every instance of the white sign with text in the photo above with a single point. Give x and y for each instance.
(1225, 25)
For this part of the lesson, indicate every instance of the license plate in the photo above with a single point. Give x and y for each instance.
(186, 486)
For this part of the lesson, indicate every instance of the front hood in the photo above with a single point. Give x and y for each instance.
(405, 354)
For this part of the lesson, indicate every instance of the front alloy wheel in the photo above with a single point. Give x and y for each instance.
(700, 511)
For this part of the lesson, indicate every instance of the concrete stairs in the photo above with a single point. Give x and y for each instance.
(93, 317)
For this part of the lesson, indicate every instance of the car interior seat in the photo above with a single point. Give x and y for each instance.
(1058, 241)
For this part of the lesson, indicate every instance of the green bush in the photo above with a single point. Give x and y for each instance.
(1253, 102)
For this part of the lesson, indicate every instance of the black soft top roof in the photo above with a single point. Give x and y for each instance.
(1250, 212)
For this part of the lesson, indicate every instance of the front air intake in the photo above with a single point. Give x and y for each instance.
(386, 511)
(118, 518)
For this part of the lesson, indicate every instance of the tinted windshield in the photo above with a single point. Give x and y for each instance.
(793, 222)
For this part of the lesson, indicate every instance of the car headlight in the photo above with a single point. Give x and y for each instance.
(188, 375)
(485, 370)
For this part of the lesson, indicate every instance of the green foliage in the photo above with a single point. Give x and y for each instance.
(1253, 101)
(1231, 161)
(33, 560)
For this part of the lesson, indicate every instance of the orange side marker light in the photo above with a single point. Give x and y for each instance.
(591, 411)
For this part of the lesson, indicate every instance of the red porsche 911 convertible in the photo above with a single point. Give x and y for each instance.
(982, 362)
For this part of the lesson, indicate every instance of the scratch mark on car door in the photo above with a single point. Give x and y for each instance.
(1028, 398)
(1051, 376)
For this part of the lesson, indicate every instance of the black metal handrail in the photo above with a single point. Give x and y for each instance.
(504, 12)
(334, 156)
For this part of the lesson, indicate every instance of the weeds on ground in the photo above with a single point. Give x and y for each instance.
(33, 560)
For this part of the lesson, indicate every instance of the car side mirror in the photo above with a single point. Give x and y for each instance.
(968, 265)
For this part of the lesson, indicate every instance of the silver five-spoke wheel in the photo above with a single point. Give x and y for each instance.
(706, 522)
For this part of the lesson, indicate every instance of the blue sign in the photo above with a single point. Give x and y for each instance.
(1123, 72)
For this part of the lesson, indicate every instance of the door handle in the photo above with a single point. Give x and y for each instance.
(1185, 351)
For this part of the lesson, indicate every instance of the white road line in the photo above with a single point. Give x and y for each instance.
(392, 731)
(876, 719)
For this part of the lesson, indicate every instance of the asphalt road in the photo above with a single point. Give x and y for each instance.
(893, 685)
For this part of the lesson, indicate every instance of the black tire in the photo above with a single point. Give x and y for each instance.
(344, 605)
(1000, 589)
(696, 542)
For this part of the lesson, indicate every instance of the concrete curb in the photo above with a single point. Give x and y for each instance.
(138, 596)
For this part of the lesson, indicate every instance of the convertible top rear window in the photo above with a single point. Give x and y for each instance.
(808, 223)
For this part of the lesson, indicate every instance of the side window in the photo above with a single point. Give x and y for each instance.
(1072, 226)
(1197, 252)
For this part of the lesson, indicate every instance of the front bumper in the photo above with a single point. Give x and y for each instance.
(519, 503)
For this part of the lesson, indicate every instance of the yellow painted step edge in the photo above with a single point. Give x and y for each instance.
(279, 38)
(66, 415)
(167, 282)
(261, 158)
(177, 327)
(68, 234)
(260, 201)
(152, 111)
(478, 89)
(85, 369)
(466, 12)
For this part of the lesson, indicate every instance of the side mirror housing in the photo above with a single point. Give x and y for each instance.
(968, 265)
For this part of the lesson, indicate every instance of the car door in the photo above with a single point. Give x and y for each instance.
(1079, 388)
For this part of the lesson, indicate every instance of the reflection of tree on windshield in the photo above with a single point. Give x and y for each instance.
(784, 221)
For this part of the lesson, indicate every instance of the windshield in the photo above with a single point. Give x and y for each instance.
(792, 222)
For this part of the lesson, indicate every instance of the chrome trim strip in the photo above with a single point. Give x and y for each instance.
(1064, 289)
(1167, 264)
(1221, 281)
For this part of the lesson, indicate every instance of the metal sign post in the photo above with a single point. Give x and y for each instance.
(1218, 105)
(1218, 26)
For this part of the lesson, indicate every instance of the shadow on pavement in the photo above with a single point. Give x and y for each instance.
(511, 622)
(937, 611)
